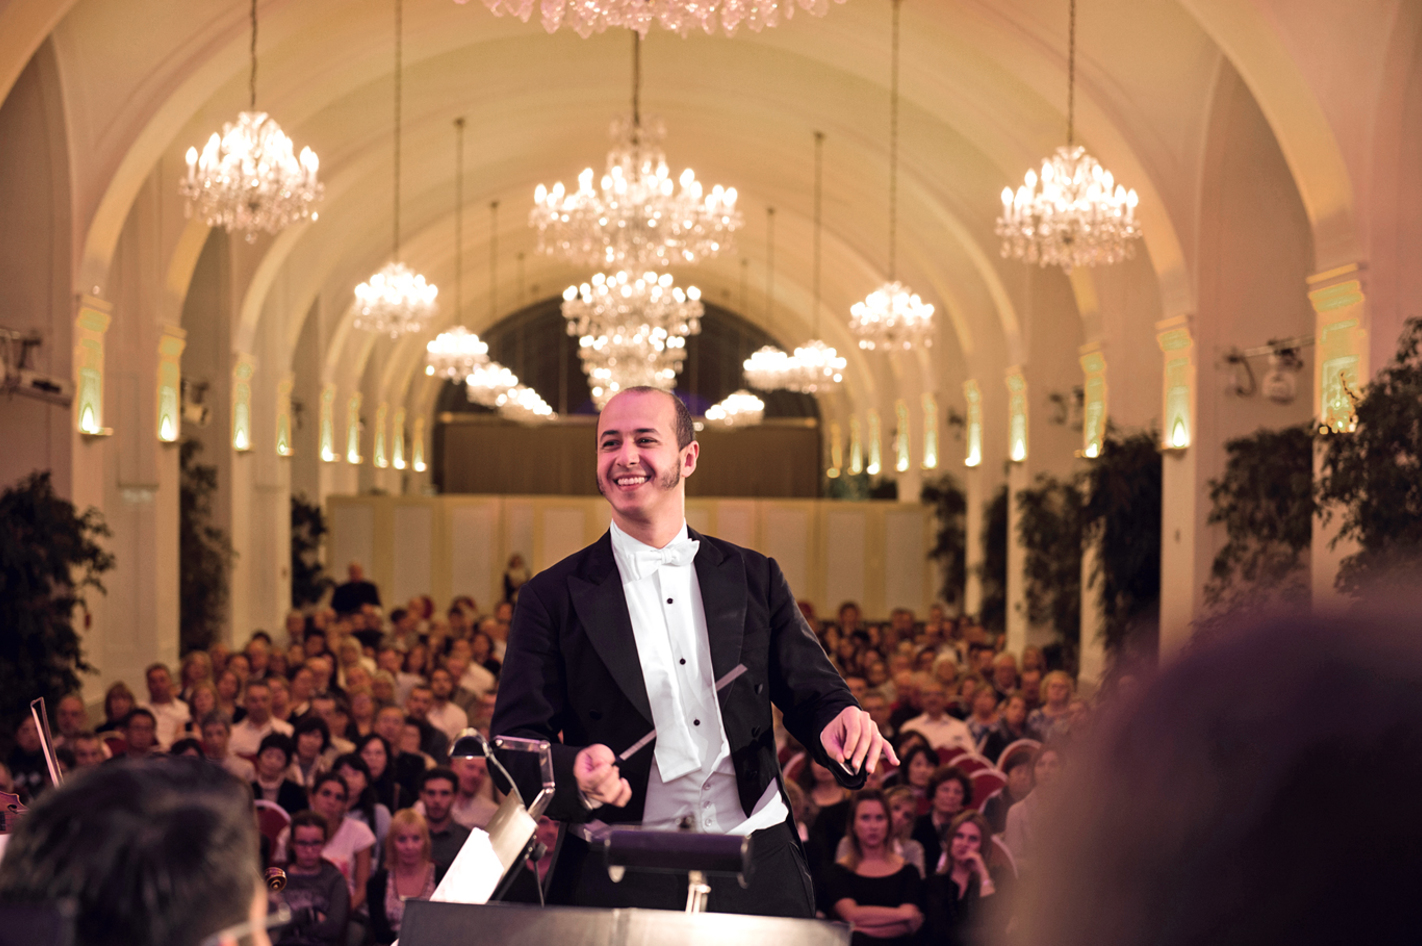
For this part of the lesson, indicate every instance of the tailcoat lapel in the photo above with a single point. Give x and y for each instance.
(602, 610)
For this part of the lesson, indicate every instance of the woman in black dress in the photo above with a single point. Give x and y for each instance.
(873, 888)
(963, 902)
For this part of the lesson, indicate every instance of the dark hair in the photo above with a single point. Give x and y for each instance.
(443, 772)
(161, 852)
(260, 635)
(312, 723)
(684, 428)
(183, 745)
(387, 790)
(1023, 756)
(396, 616)
(325, 777)
(276, 740)
(139, 711)
(365, 804)
(950, 773)
(906, 760)
(213, 718)
(307, 819)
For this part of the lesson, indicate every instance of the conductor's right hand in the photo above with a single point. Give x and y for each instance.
(598, 778)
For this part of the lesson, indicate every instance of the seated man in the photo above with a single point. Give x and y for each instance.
(116, 836)
(216, 732)
(942, 730)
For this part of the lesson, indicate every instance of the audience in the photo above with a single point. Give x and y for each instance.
(408, 872)
(873, 887)
(170, 714)
(436, 804)
(949, 792)
(271, 782)
(959, 896)
(315, 890)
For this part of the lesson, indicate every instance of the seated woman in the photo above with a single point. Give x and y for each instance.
(903, 808)
(949, 792)
(315, 890)
(916, 767)
(1050, 720)
(1024, 819)
(313, 751)
(348, 841)
(271, 783)
(376, 753)
(874, 888)
(409, 873)
(1018, 769)
(958, 908)
(361, 803)
(829, 805)
(1011, 726)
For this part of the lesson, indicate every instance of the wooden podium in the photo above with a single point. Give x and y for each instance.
(429, 923)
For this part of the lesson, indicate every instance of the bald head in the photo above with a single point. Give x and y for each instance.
(680, 423)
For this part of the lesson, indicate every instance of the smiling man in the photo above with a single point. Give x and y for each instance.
(633, 632)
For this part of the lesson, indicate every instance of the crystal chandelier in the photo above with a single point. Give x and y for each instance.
(586, 17)
(817, 365)
(631, 331)
(523, 405)
(453, 355)
(768, 368)
(1079, 216)
(249, 178)
(489, 382)
(635, 218)
(892, 316)
(396, 300)
(739, 409)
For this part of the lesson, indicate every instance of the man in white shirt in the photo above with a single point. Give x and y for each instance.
(443, 714)
(941, 730)
(247, 735)
(169, 713)
(635, 632)
(216, 746)
(474, 803)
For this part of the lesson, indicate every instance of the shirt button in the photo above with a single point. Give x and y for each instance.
(696, 722)
(683, 660)
(669, 601)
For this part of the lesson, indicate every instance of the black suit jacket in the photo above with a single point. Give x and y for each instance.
(572, 668)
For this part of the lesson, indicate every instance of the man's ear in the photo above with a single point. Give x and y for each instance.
(688, 460)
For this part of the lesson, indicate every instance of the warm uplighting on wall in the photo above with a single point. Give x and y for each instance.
(1342, 347)
(417, 446)
(874, 457)
(856, 448)
(170, 381)
(836, 452)
(903, 436)
(353, 430)
(397, 454)
(1177, 344)
(974, 397)
(328, 423)
(89, 328)
(930, 432)
(242, 373)
(378, 448)
(283, 416)
(1093, 417)
(1016, 415)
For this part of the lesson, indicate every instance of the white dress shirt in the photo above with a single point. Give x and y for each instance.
(692, 775)
(448, 719)
(942, 733)
(170, 719)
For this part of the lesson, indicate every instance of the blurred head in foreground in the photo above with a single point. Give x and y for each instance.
(1261, 790)
(161, 852)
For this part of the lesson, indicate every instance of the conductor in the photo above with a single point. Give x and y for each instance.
(634, 632)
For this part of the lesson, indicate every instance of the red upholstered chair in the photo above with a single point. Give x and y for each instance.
(986, 783)
(272, 819)
(1001, 855)
(1018, 746)
(116, 744)
(971, 763)
(949, 755)
(795, 766)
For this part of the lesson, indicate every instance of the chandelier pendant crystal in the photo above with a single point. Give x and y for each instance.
(488, 382)
(455, 354)
(631, 331)
(1073, 213)
(893, 316)
(396, 300)
(636, 217)
(586, 17)
(739, 409)
(523, 405)
(249, 177)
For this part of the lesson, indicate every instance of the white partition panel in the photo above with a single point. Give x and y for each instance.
(473, 537)
(352, 538)
(905, 562)
(787, 538)
(845, 533)
(563, 529)
(412, 548)
(518, 535)
(735, 522)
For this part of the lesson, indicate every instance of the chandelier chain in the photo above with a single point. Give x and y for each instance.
(459, 220)
(819, 187)
(493, 260)
(399, 6)
(636, 88)
(1071, 76)
(894, 149)
(252, 81)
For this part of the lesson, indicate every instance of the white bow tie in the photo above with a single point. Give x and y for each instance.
(646, 561)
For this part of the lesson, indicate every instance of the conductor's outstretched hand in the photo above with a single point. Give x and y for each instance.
(595, 768)
(853, 738)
